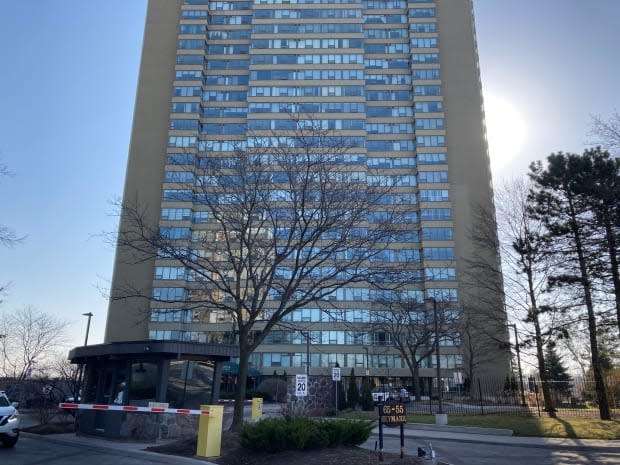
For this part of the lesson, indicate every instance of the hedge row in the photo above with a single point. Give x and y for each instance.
(302, 433)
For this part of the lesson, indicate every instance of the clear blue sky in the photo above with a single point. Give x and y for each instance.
(67, 89)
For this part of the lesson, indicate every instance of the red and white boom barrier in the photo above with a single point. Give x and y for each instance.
(130, 408)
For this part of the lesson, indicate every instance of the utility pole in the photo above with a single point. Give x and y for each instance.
(440, 411)
(308, 354)
(514, 326)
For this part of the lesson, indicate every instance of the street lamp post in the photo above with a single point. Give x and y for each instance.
(3, 337)
(435, 320)
(78, 395)
(307, 354)
(89, 315)
(367, 365)
(514, 326)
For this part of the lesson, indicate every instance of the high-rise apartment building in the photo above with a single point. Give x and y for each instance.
(401, 77)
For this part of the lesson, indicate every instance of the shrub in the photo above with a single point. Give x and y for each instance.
(301, 433)
(304, 433)
(268, 435)
(273, 389)
(349, 432)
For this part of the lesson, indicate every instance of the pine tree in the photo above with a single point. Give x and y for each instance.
(353, 393)
(557, 373)
(559, 201)
(366, 396)
(342, 400)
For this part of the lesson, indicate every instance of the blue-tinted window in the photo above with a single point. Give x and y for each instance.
(435, 214)
(434, 195)
(433, 176)
(439, 253)
(170, 293)
(425, 58)
(430, 141)
(429, 107)
(183, 124)
(177, 195)
(422, 12)
(192, 28)
(174, 233)
(180, 158)
(437, 234)
(178, 176)
(432, 158)
(176, 214)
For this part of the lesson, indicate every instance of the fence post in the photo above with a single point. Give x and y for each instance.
(480, 393)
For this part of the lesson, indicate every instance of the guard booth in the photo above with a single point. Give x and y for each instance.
(140, 373)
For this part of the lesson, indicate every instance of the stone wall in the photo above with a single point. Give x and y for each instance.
(321, 396)
(136, 426)
(153, 426)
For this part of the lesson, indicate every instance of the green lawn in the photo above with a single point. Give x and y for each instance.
(563, 427)
(582, 428)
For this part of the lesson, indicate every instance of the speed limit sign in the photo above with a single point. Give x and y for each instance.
(301, 385)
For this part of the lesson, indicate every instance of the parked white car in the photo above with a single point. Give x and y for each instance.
(9, 421)
(380, 394)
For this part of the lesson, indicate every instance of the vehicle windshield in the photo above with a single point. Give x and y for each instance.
(4, 402)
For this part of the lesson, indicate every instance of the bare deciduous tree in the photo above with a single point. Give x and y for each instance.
(607, 132)
(410, 325)
(8, 237)
(30, 336)
(286, 222)
(525, 267)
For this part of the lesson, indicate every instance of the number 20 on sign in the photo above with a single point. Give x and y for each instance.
(301, 385)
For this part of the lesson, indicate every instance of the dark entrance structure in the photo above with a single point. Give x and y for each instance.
(138, 373)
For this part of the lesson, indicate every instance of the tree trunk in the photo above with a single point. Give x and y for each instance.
(612, 248)
(416, 381)
(540, 356)
(542, 368)
(601, 394)
(242, 381)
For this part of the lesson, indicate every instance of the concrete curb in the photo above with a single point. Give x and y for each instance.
(459, 429)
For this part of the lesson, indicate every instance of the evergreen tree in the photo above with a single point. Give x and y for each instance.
(353, 393)
(342, 400)
(557, 373)
(366, 396)
(559, 200)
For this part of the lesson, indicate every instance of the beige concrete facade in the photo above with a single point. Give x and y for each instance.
(467, 161)
(128, 318)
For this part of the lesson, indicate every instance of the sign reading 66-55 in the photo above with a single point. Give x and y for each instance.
(393, 413)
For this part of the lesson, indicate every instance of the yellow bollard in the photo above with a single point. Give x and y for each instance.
(257, 408)
(210, 431)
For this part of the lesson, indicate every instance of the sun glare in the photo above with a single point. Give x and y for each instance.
(505, 131)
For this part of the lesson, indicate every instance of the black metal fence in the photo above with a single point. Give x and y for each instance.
(575, 398)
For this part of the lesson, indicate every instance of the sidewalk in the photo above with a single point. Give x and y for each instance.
(133, 449)
(489, 436)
